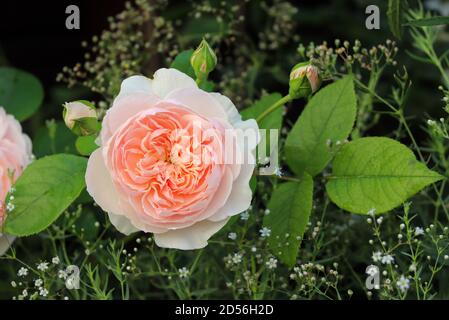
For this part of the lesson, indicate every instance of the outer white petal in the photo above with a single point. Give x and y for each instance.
(222, 194)
(199, 101)
(5, 242)
(122, 223)
(250, 129)
(29, 147)
(135, 84)
(168, 80)
(229, 107)
(193, 237)
(100, 187)
(241, 195)
(123, 108)
(99, 184)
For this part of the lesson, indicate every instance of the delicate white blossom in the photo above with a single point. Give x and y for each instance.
(62, 274)
(183, 272)
(244, 215)
(387, 259)
(237, 258)
(403, 283)
(377, 256)
(38, 283)
(265, 232)
(272, 263)
(42, 266)
(43, 292)
(22, 272)
(419, 231)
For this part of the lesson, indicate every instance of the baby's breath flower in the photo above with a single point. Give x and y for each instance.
(237, 258)
(183, 272)
(244, 215)
(43, 292)
(403, 283)
(62, 274)
(38, 283)
(419, 231)
(22, 272)
(10, 207)
(387, 259)
(377, 256)
(272, 263)
(265, 232)
(42, 266)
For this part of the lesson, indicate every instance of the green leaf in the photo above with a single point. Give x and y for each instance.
(84, 198)
(86, 145)
(328, 117)
(290, 207)
(271, 121)
(44, 190)
(21, 93)
(63, 141)
(253, 183)
(376, 173)
(182, 63)
(418, 58)
(395, 14)
(428, 22)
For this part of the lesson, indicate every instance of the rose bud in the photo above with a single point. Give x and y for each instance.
(203, 60)
(304, 80)
(81, 118)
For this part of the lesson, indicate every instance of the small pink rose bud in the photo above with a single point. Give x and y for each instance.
(304, 80)
(81, 117)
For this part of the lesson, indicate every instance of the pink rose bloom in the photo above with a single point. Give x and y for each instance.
(164, 165)
(15, 154)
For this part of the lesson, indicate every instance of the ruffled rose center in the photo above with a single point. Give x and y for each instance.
(169, 162)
